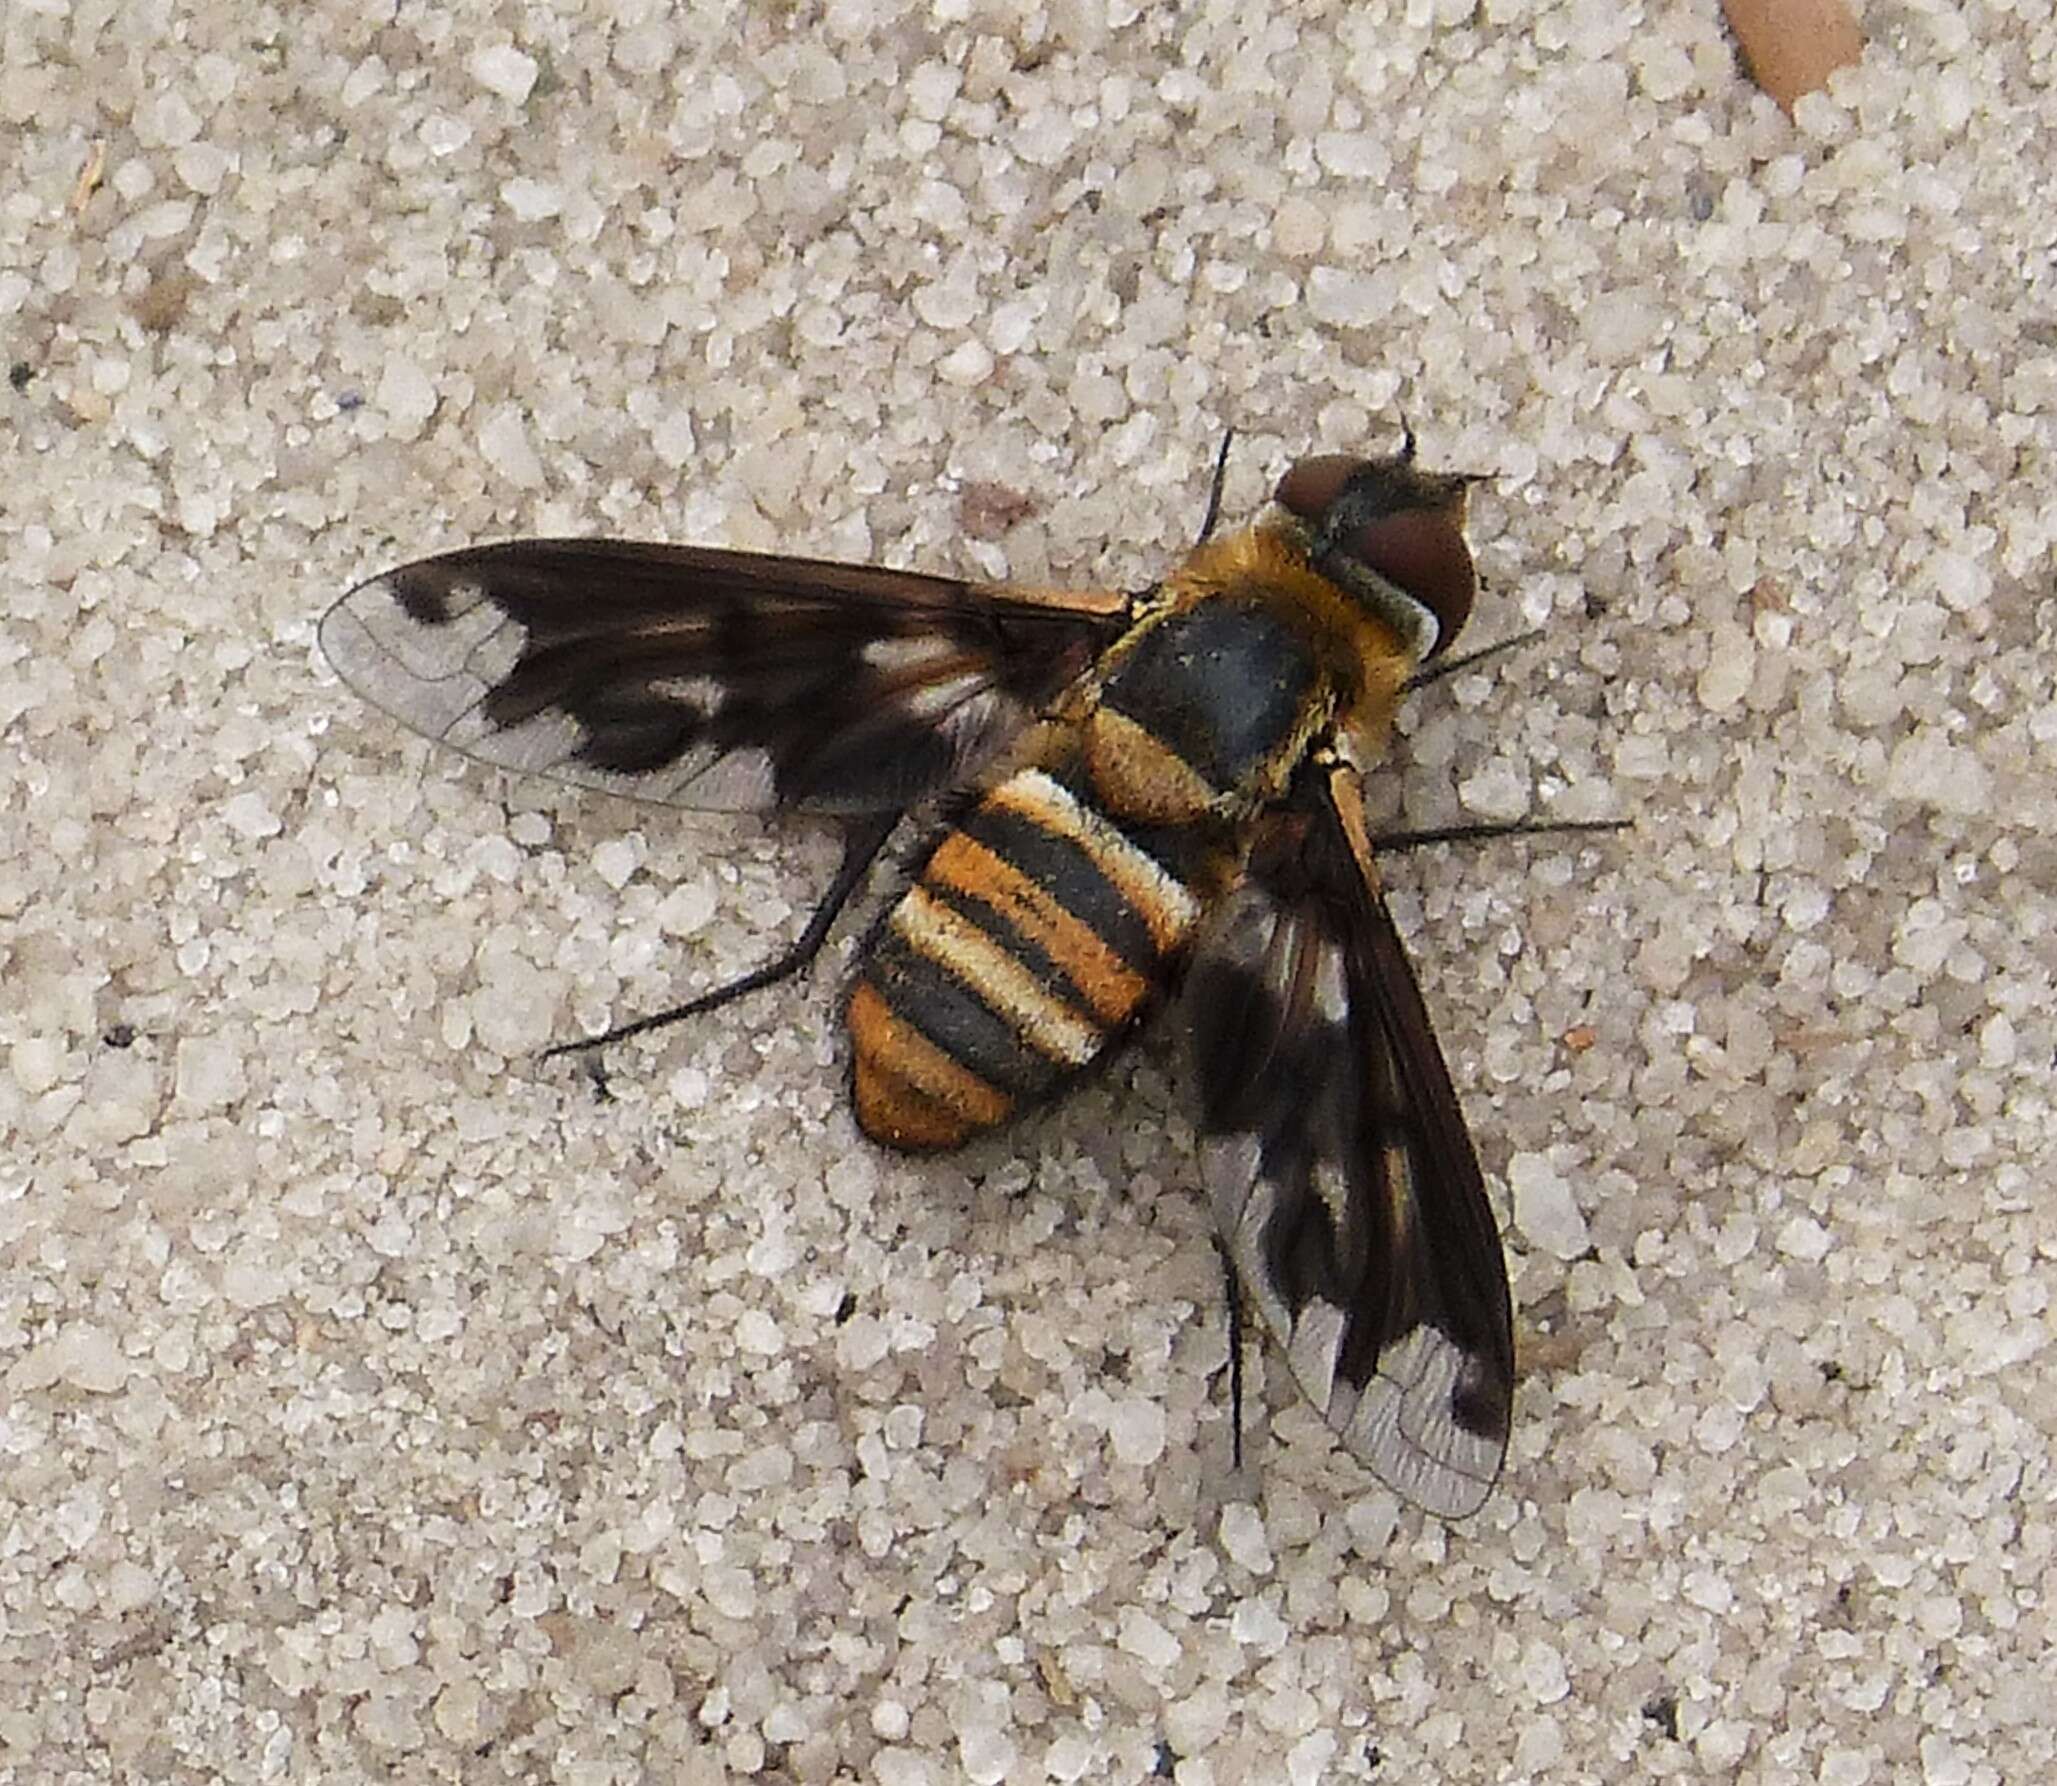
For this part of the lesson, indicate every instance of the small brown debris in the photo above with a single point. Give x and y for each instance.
(90, 177)
(1537, 1353)
(1793, 46)
(161, 304)
(987, 510)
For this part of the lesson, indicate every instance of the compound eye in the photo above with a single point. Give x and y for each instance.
(1310, 486)
(1422, 552)
(1405, 525)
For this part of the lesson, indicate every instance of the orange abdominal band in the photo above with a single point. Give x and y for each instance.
(1112, 989)
(909, 1093)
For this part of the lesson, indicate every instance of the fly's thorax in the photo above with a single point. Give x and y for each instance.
(1202, 711)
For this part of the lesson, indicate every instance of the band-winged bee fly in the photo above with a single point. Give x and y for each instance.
(1161, 792)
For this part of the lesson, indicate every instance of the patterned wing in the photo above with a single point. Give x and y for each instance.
(711, 678)
(1338, 1164)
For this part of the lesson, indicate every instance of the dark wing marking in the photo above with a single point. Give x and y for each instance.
(1337, 1161)
(711, 678)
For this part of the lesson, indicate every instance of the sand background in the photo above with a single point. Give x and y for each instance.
(377, 1404)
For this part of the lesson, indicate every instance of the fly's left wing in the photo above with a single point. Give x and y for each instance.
(710, 678)
(1337, 1161)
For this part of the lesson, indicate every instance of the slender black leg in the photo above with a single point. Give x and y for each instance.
(1449, 666)
(1392, 843)
(1214, 492)
(861, 844)
(1234, 1288)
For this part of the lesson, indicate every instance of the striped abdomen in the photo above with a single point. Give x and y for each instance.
(1040, 927)
(1035, 934)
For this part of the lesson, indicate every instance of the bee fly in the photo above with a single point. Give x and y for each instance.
(1161, 791)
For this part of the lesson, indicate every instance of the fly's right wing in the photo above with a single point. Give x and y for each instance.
(1339, 1167)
